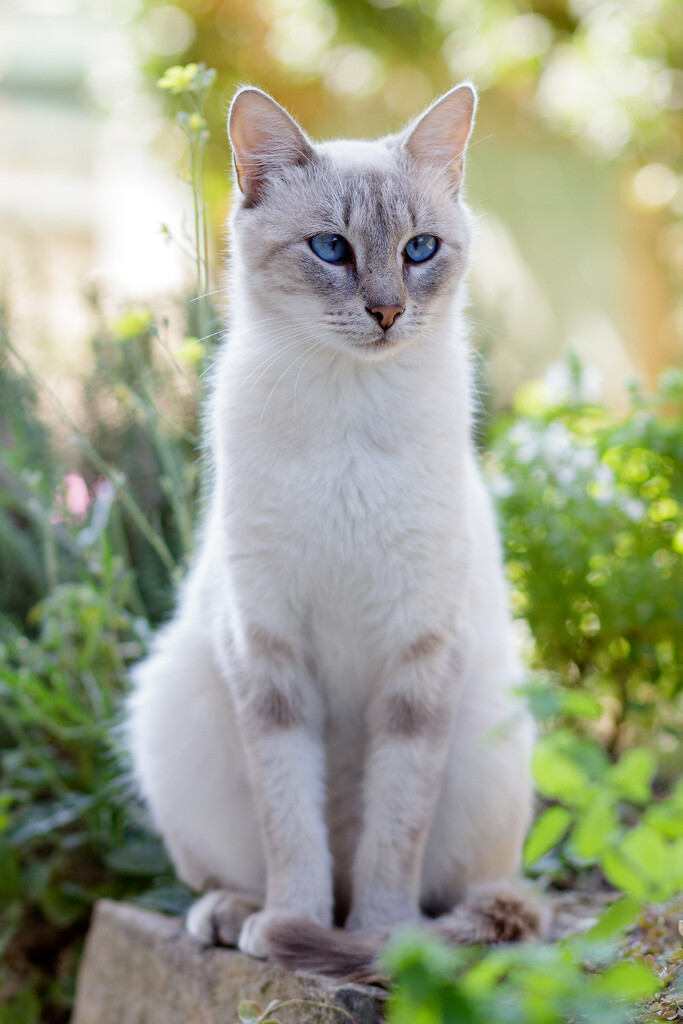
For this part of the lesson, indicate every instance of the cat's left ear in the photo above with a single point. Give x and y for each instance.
(264, 138)
(439, 137)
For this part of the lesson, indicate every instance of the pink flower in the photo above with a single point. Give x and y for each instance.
(72, 497)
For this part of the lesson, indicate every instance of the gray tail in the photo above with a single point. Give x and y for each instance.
(303, 945)
(492, 913)
(495, 913)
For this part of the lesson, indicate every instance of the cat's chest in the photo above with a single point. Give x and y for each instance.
(343, 508)
(346, 495)
(346, 528)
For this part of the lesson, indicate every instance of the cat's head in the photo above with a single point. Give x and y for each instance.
(361, 242)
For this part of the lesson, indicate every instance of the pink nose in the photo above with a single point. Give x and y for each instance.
(385, 315)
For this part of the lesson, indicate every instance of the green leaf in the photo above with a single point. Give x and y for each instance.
(580, 703)
(595, 824)
(617, 918)
(10, 876)
(24, 1009)
(557, 775)
(632, 776)
(138, 858)
(61, 908)
(628, 980)
(249, 1013)
(677, 864)
(667, 818)
(641, 864)
(46, 818)
(546, 832)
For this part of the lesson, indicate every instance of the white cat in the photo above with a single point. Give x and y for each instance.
(325, 731)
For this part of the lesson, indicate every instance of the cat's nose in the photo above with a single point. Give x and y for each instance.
(385, 315)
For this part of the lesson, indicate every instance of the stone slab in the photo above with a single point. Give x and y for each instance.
(141, 967)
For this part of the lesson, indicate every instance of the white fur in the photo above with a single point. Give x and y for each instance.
(347, 520)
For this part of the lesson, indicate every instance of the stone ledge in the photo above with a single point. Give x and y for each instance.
(141, 967)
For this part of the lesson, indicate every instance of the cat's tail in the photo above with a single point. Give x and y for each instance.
(489, 914)
(303, 945)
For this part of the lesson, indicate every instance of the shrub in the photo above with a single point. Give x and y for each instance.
(87, 561)
(591, 510)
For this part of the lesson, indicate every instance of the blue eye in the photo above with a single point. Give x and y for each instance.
(421, 248)
(331, 248)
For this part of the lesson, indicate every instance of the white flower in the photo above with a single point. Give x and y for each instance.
(501, 486)
(566, 475)
(584, 458)
(563, 384)
(522, 433)
(557, 441)
(604, 476)
(634, 508)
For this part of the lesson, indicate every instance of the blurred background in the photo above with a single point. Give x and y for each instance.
(574, 172)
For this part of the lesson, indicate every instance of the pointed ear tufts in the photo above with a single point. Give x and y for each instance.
(439, 137)
(264, 139)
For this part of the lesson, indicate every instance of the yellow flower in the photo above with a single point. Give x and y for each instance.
(179, 78)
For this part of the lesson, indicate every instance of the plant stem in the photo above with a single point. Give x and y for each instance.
(155, 540)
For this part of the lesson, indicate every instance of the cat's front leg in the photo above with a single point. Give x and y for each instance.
(409, 728)
(281, 724)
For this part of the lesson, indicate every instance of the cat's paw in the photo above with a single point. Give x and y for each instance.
(253, 938)
(217, 918)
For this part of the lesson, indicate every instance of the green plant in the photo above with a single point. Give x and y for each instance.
(32, 547)
(70, 831)
(193, 83)
(609, 816)
(591, 506)
(541, 984)
(105, 555)
(139, 439)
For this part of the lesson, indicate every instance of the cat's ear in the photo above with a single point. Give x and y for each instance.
(264, 138)
(439, 137)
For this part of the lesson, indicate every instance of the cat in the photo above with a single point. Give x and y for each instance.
(325, 732)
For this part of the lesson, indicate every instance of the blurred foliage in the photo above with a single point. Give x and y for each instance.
(70, 831)
(525, 984)
(193, 83)
(25, 445)
(608, 73)
(141, 419)
(592, 512)
(134, 461)
(106, 548)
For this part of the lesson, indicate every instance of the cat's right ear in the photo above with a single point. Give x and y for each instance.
(439, 137)
(264, 139)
